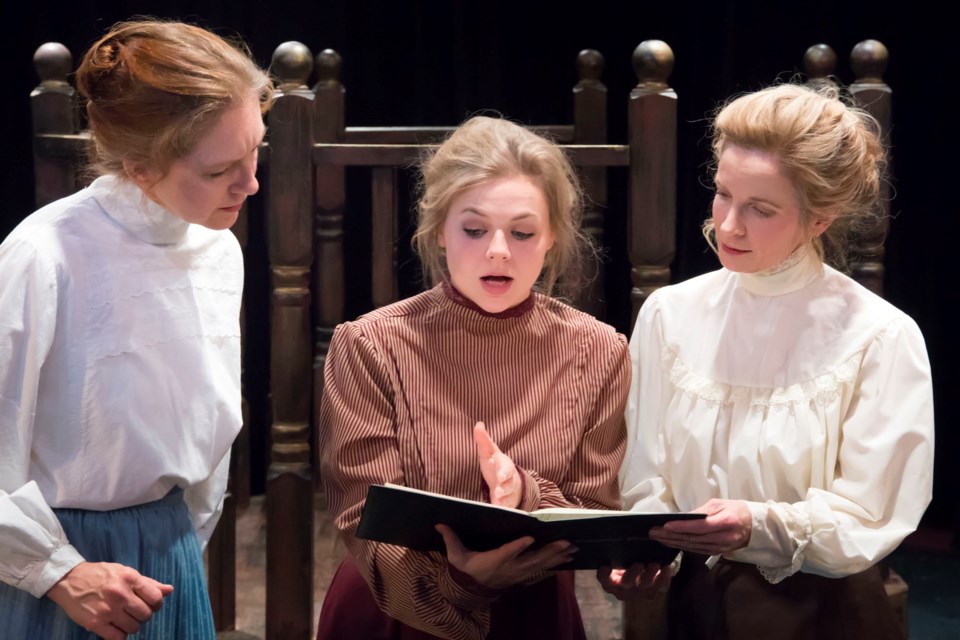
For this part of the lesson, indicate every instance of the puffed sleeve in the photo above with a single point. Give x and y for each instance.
(359, 447)
(884, 476)
(644, 483)
(591, 481)
(205, 501)
(34, 551)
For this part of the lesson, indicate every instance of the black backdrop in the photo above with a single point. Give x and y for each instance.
(433, 62)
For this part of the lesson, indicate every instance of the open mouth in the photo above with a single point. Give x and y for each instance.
(496, 279)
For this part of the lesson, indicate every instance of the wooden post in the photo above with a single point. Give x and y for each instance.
(869, 60)
(651, 232)
(590, 127)
(53, 108)
(330, 199)
(820, 62)
(222, 549)
(652, 219)
(240, 454)
(289, 495)
(384, 246)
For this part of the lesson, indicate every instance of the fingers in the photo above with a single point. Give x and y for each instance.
(110, 632)
(151, 592)
(456, 552)
(486, 447)
(637, 580)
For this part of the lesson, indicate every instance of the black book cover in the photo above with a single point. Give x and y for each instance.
(406, 517)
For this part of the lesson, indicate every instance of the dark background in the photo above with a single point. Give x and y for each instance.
(430, 63)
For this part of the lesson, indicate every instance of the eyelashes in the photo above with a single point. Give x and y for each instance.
(478, 233)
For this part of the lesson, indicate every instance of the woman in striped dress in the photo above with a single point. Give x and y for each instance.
(120, 346)
(484, 387)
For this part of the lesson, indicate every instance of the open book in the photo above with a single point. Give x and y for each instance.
(405, 516)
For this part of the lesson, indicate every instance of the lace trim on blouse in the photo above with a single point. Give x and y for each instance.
(822, 389)
(801, 530)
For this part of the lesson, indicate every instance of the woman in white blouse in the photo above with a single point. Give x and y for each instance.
(778, 396)
(120, 350)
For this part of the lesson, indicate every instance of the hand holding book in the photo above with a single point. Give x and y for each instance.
(407, 517)
(508, 564)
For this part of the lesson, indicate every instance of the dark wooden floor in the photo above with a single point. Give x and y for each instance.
(601, 613)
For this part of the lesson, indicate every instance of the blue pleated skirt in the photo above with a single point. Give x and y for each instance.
(158, 540)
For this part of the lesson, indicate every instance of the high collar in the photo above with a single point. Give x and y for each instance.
(130, 208)
(455, 296)
(799, 269)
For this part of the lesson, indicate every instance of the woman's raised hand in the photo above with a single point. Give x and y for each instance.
(506, 565)
(499, 472)
(109, 599)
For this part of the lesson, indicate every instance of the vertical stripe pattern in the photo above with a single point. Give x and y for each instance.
(404, 386)
(157, 539)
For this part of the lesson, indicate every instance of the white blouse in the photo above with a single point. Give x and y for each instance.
(803, 394)
(119, 369)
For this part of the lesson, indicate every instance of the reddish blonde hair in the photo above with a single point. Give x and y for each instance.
(153, 88)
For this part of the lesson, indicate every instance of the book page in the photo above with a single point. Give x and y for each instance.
(551, 514)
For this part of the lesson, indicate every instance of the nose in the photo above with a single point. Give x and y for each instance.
(246, 182)
(731, 224)
(498, 249)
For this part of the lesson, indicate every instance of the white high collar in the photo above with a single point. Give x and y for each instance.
(129, 207)
(796, 271)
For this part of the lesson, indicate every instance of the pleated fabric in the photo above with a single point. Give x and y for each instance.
(158, 540)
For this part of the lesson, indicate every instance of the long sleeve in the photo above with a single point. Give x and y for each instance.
(644, 480)
(883, 477)
(359, 447)
(34, 551)
(205, 501)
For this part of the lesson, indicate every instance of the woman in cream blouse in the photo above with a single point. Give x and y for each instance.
(784, 400)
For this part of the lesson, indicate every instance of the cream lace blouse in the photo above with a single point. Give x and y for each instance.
(801, 393)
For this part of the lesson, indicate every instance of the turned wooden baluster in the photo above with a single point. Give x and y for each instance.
(330, 199)
(289, 495)
(54, 111)
(869, 61)
(590, 127)
(652, 219)
(651, 232)
(384, 203)
(222, 548)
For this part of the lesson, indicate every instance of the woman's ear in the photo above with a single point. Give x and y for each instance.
(821, 223)
(141, 175)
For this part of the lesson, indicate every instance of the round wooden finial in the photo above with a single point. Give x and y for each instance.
(820, 61)
(869, 60)
(53, 62)
(653, 61)
(328, 64)
(590, 64)
(292, 63)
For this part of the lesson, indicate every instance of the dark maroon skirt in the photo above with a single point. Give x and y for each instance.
(733, 601)
(547, 609)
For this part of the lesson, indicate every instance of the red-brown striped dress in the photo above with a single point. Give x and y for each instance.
(404, 386)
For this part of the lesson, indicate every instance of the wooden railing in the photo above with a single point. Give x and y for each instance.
(306, 159)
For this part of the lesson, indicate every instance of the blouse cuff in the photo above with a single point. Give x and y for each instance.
(463, 591)
(529, 492)
(778, 541)
(51, 571)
